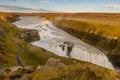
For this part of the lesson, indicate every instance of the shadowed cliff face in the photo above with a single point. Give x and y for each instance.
(62, 43)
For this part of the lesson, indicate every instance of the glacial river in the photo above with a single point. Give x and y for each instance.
(61, 43)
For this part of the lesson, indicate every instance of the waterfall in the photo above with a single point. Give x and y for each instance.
(62, 43)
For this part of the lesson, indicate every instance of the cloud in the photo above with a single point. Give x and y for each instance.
(84, 7)
(48, 1)
(113, 6)
(66, 0)
(13, 0)
(45, 1)
(4, 8)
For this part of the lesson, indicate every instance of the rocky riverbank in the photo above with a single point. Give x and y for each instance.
(29, 35)
(23, 73)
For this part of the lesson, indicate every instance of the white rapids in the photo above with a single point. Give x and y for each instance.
(58, 41)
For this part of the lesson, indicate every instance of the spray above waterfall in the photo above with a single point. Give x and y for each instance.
(62, 43)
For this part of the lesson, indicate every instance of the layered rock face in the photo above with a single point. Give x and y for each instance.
(30, 35)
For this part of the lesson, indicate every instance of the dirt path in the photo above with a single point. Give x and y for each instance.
(18, 54)
(20, 51)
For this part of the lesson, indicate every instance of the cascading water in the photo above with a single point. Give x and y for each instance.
(62, 43)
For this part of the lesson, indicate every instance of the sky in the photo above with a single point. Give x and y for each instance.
(66, 5)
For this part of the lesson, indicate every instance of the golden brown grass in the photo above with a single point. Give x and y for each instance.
(85, 71)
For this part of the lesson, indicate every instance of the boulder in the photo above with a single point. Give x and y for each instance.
(15, 68)
(38, 67)
(54, 63)
(28, 68)
(44, 68)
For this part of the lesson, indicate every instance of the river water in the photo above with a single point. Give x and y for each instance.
(61, 43)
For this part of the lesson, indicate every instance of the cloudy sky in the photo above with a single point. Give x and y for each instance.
(65, 5)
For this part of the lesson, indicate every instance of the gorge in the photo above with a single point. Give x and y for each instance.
(61, 43)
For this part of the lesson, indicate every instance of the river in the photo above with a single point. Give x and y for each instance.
(61, 43)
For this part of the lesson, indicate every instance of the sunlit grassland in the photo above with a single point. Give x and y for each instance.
(105, 29)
